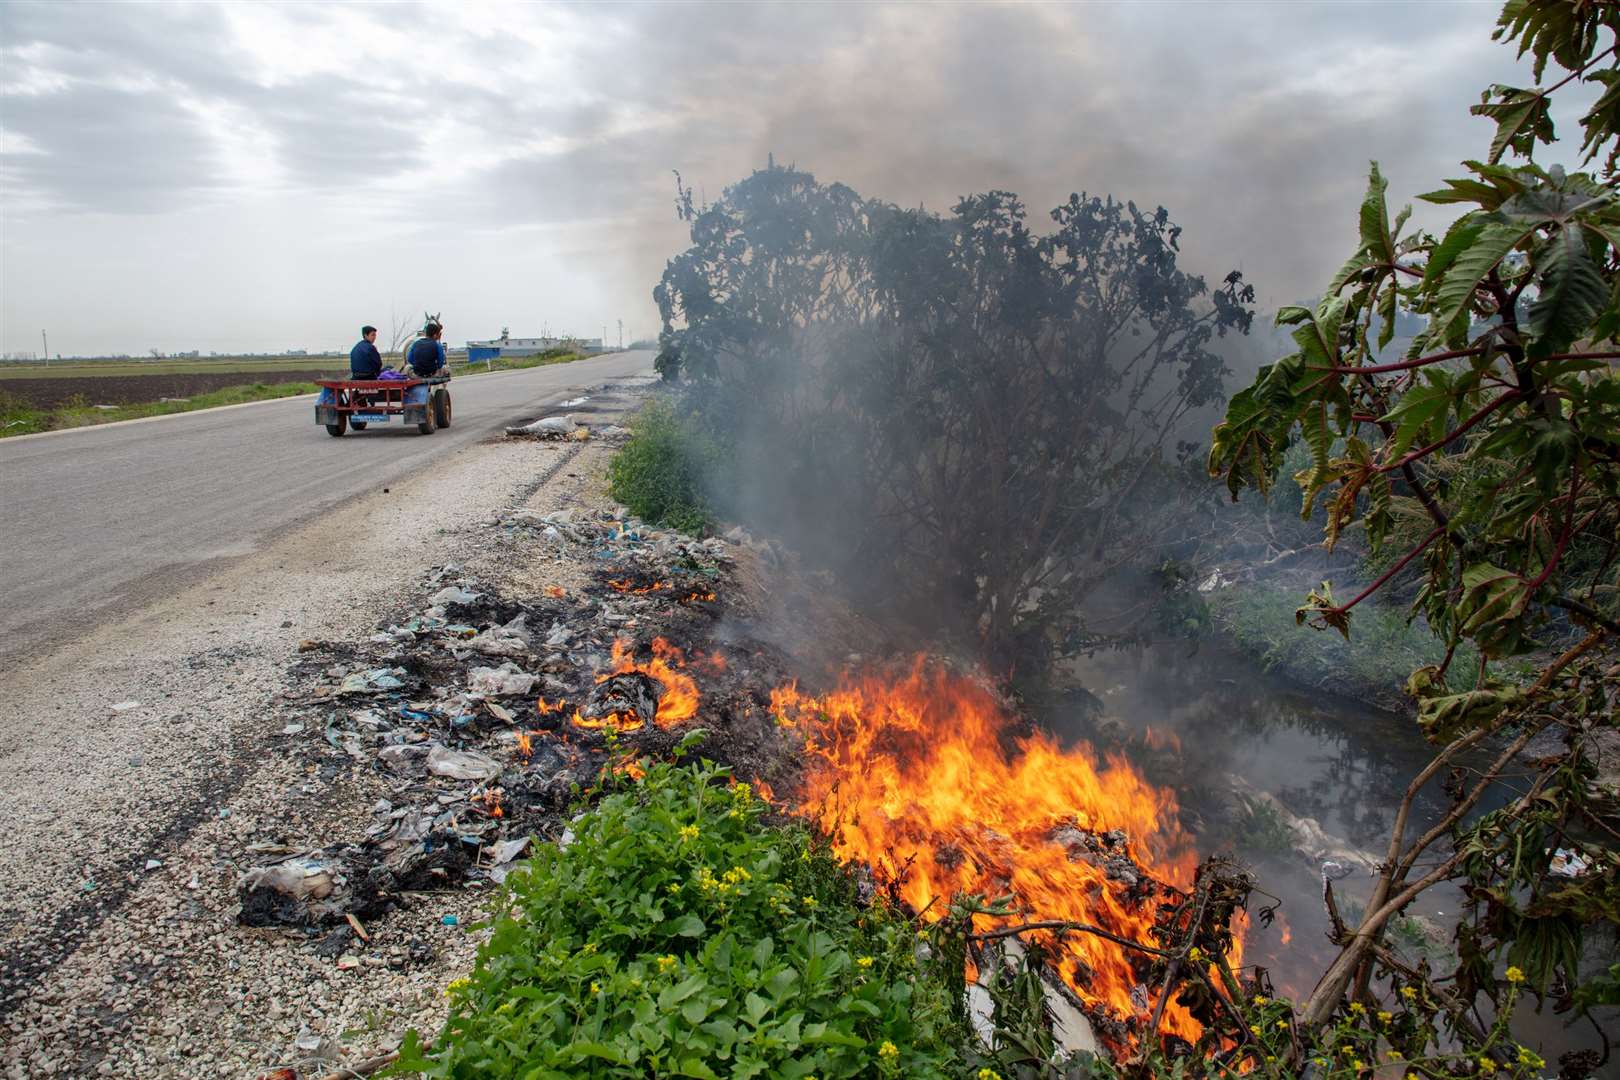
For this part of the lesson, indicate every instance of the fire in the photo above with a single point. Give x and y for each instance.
(677, 703)
(525, 747)
(546, 708)
(920, 777)
(625, 585)
(489, 802)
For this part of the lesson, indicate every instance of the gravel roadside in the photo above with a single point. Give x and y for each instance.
(143, 761)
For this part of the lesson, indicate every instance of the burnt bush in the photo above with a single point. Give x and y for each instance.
(971, 423)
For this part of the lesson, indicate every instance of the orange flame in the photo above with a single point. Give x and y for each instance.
(547, 707)
(489, 802)
(625, 585)
(677, 703)
(920, 777)
(524, 747)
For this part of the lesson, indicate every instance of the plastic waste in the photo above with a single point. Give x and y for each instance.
(504, 681)
(461, 764)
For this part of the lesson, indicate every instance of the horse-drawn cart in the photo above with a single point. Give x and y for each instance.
(359, 403)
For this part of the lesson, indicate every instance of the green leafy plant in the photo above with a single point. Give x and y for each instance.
(1500, 430)
(662, 474)
(679, 935)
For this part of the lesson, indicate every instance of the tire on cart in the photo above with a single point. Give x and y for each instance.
(336, 430)
(357, 425)
(441, 407)
(427, 426)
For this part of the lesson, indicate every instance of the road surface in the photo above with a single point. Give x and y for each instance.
(96, 521)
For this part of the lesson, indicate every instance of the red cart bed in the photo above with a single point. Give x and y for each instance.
(358, 403)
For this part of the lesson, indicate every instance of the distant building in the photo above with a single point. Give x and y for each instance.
(505, 345)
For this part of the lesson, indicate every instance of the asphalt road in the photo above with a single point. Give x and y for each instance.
(96, 521)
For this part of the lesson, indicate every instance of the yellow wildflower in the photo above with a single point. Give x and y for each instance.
(1283, 1024)
(808, 901)
(1409, 993)
(989, 1074)
(1529, 1057)
(455, 985)
(1260, 999)
(864, 962)
(1257, 1029)
(689, 832)
(1515, 975)
(1195, 954)
(887, 1049)
(1385, 1017)
(1357, 1064)
(743, 792)
(596, 987)
(1486, 1065)
(1357, 1008)
(666, 962)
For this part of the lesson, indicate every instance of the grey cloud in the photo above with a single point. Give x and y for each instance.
(107, 149)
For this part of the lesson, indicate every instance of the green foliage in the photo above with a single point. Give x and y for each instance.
(678, 935)
(663, 473)
(1490, 459)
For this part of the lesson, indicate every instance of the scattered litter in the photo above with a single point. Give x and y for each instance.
(293, 729)
(461, 764)
(125, 706)
(360, 931)
(372, 682)
(347, 961)
(549, 427)
(153, 864)
(454, 595)
(506, 680)
(450, 920)
(1568, 864)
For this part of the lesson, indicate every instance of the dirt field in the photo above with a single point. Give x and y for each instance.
(127, 389)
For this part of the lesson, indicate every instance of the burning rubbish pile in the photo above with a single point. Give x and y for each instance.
(927, 777)
(488, 717)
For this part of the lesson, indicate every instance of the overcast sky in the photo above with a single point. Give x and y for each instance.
(253, 176)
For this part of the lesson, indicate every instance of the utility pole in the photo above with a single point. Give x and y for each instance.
(46, 342)
(621, 335)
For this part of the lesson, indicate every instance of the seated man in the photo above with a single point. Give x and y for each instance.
(365, 362)
(427, 358)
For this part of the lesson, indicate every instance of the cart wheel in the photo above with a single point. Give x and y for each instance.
(441, 408)
(427, 426)
(358, 425)
(336, 430)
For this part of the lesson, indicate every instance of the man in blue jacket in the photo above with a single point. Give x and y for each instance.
(365, 362)
(428, 357)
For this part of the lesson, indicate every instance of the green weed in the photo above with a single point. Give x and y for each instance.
(662, 472)
(679, 935)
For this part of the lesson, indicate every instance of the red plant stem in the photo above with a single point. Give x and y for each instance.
(1435, 358)
(1563, 539)
(1392, 571)
(1408, 365)
(1507, 398)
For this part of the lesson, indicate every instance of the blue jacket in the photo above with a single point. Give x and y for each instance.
(427, 357)
(365, 362)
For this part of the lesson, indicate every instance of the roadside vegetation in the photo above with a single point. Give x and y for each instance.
(666, 470)
(678, 934)
(20, 417)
